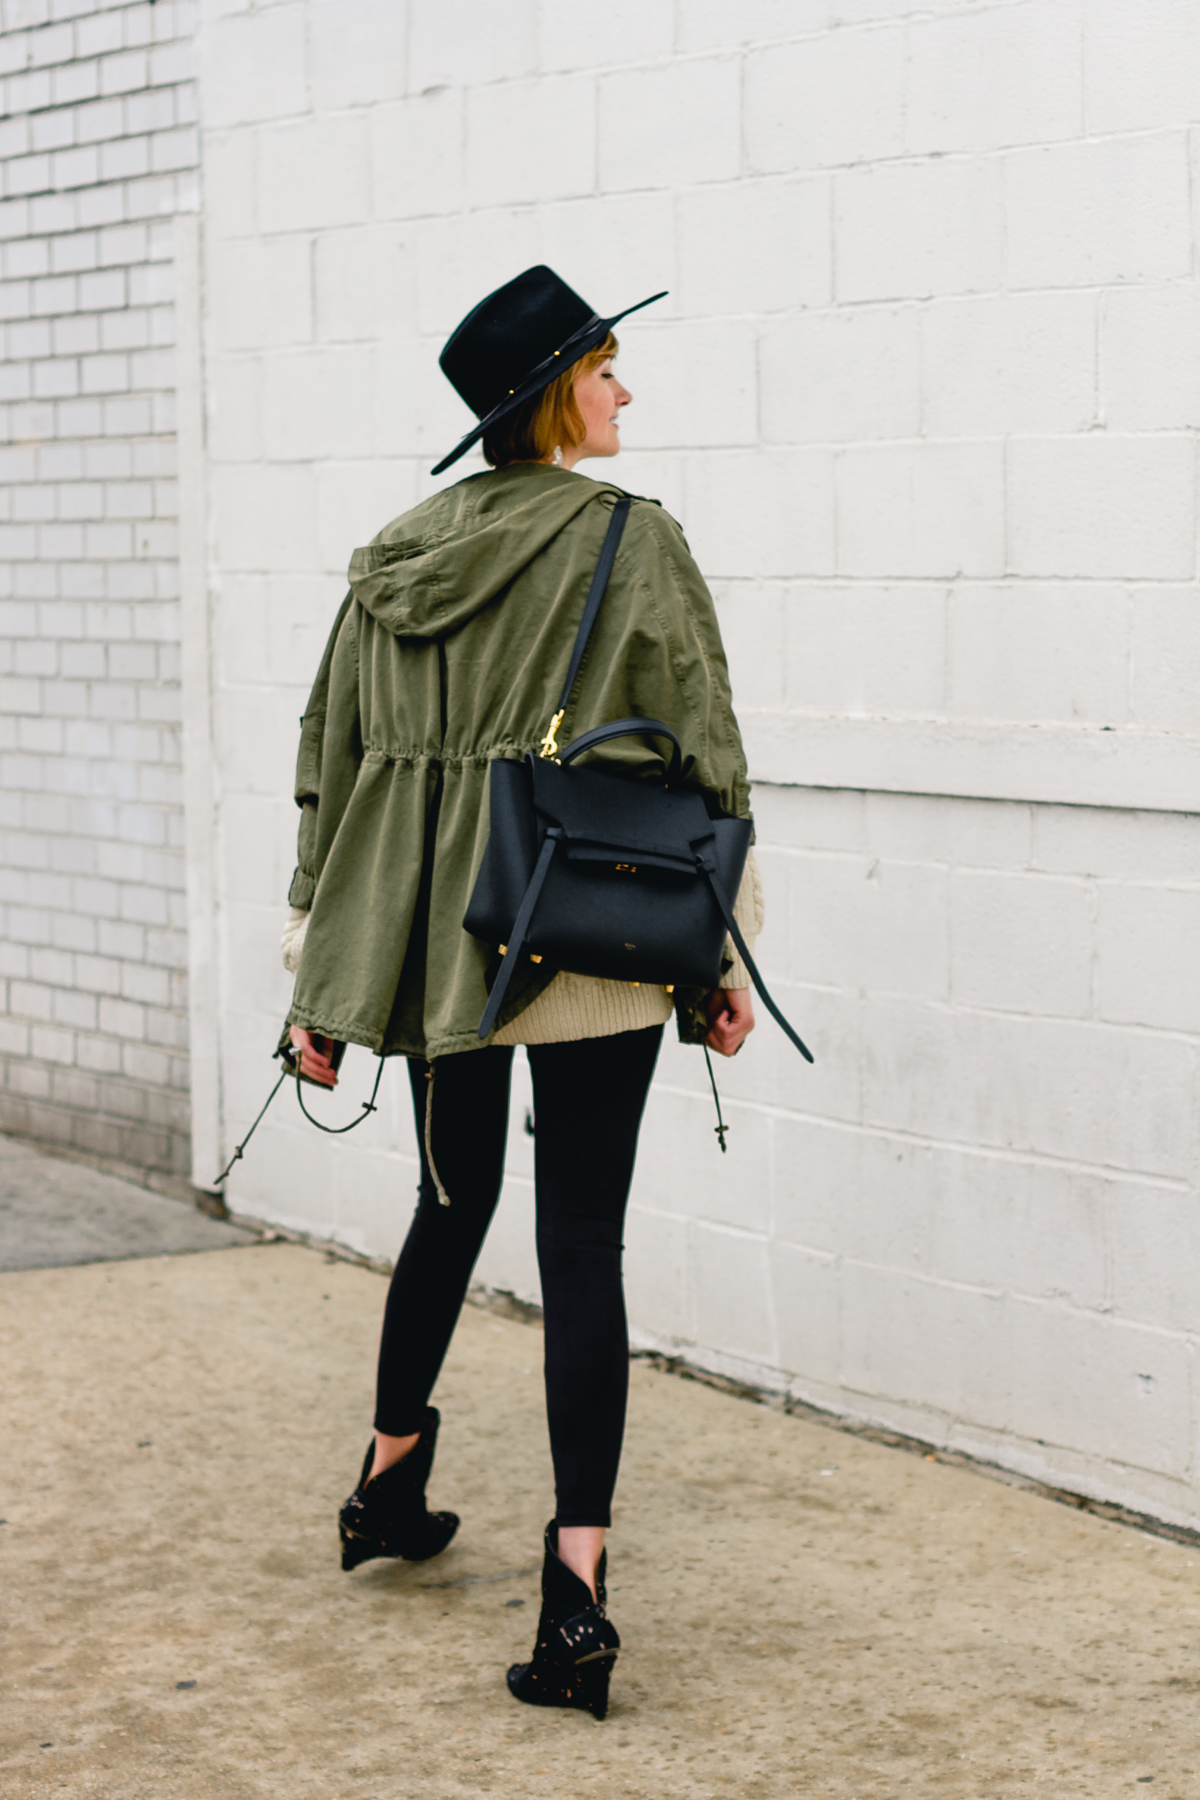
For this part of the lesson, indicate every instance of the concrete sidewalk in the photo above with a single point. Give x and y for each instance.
(54, 1212)
(804, 1613)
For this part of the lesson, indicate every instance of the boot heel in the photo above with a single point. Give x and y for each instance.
(590, 1644)
(593, 1689)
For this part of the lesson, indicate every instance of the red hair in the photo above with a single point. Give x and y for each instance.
(533, 431)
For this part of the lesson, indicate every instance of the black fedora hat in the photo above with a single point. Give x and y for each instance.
(514, 344)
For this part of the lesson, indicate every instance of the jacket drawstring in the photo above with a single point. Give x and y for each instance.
(720, 1127)
(443, 1196)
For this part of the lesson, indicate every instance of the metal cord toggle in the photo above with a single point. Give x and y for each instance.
(720, 1127)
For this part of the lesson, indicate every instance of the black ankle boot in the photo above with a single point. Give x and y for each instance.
(576, 1645)
(388, 1516)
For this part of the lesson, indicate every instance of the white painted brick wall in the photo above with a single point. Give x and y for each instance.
(925, 394)
(99, 149)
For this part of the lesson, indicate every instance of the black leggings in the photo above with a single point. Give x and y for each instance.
(588, 1102)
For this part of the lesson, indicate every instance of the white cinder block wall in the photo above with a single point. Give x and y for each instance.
(925, 396)
(98, 145)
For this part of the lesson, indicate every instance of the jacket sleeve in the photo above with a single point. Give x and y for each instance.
(330, 754)
(695, 671)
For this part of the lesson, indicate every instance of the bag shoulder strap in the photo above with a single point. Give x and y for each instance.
(605, 561)
(511, 951)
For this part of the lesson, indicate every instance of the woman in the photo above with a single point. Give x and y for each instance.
(447, 654)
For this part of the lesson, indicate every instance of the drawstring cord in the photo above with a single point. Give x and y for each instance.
(368, 1106)
(443, 1196)
(291, 1067)
(720, 1127)
(241, 1147)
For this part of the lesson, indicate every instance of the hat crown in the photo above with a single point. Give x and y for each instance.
(503, 339)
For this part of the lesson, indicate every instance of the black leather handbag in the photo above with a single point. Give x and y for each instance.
(599, 874)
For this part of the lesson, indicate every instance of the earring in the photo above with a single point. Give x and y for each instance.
(556, 461)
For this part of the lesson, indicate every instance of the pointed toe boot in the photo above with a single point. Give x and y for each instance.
(388, 1516)
(576, 1644)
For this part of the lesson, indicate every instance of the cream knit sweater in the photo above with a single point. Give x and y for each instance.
(580, 1006)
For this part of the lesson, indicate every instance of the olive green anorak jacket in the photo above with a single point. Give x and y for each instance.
(450, 651)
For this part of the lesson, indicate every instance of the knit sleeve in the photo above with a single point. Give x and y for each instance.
(750, 912)
(291, 944)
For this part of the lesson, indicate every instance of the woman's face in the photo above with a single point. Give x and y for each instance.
(599, 397)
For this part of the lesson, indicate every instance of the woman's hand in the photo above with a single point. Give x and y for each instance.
(316, 1064)
(730, 1020)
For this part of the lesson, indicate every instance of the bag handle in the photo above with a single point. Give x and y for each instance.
(600, 734)
(603, 569)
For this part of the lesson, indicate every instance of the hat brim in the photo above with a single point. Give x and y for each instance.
(567, 354)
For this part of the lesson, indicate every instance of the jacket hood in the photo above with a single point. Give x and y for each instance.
(433, 569)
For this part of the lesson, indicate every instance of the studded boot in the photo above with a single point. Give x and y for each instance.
(576, 1645)
(388, 1516)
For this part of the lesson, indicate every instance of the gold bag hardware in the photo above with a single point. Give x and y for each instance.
(549, 747)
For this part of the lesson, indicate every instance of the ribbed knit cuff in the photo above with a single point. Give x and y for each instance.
(738, 975)
(292, 941)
